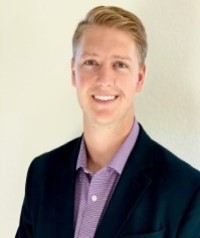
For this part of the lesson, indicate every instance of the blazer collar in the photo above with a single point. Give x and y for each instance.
(63, 191)
(133, 183)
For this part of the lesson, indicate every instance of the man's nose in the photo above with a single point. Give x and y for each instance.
(106, 76)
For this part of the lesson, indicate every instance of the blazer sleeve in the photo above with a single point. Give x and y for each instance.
(25, 229)
(190, 225)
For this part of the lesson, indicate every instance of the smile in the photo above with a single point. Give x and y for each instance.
(104, 98)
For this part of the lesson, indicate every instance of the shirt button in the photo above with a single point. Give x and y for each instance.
(94, 198)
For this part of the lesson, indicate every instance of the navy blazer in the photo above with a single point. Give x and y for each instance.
(157, 196)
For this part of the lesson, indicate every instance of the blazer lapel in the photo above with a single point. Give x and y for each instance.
(63, 193)
(132, 185)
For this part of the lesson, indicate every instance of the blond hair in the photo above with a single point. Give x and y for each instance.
(118, 18)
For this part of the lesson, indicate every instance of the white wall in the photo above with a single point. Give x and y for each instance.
(38, 108)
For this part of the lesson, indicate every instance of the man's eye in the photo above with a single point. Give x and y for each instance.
(90, 62)
(120, 65)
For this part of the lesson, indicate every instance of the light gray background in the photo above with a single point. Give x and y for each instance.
(38, 107)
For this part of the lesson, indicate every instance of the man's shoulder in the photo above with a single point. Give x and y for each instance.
(169, 164)
(173, 164)
(56, 157)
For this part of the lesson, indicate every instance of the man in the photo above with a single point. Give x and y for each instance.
(114, 181)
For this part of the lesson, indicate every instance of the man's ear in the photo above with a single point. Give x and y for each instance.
(73, 77)
(141, 78)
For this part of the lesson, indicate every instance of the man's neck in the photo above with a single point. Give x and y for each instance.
(103, 142)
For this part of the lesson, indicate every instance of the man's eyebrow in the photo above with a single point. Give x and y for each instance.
(89, 54)
(121, 57)
(118, 57)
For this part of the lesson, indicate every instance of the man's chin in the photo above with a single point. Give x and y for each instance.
(100, 120)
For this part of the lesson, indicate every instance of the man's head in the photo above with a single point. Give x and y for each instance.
(118, 18)
(108, 67)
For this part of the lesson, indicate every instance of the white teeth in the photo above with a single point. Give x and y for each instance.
(104, 98)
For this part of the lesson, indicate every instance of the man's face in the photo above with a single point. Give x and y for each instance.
(106, 75)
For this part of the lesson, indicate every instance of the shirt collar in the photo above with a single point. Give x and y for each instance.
(119, 159)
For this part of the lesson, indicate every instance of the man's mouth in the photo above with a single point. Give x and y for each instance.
(104, 98)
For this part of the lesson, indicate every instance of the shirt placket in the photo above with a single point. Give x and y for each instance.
(94, 206)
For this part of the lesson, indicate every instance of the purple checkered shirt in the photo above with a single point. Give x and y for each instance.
(94, 190)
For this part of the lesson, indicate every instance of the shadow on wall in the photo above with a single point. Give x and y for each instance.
(169, 105)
